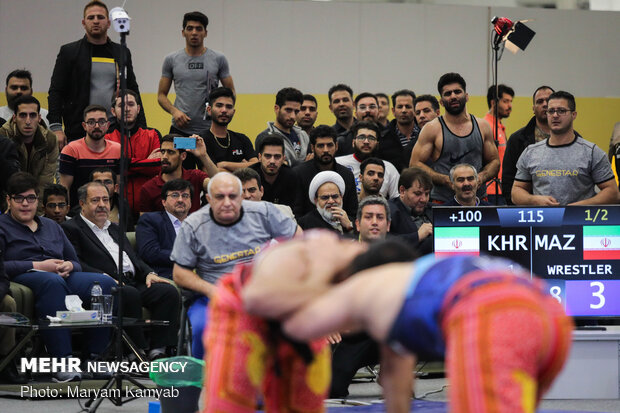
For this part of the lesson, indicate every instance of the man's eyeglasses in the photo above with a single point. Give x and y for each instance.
(54, 205)
(559, 111)
(176, 195)
(327, 197)
(92, 122)
(20, 198)
(368, 138)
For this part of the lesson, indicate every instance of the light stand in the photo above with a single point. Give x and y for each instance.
(514, 37)
(120, 20)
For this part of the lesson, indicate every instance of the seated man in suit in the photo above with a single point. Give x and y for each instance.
(38, 255)
(411, 212)
(156, 231)
(96, 241)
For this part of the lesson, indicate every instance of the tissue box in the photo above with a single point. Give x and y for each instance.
(77, 316)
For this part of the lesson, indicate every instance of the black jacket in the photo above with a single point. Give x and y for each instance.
(69, 92)
(306, 171)
(9, 164)
(284, 189)
(390, 148)
(515, 146)
(403, 226)
(314, 220)
(94, 257)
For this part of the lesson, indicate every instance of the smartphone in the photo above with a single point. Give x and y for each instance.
(184, 143)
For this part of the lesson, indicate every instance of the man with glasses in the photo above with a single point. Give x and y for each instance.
(326, 191)
(563, 169)
(365, 145)
(156, 231)
(80, 157)
(36, 145)
(536, 130)
(366, 108)
(38, 255)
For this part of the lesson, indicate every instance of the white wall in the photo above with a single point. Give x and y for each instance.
(312, 45)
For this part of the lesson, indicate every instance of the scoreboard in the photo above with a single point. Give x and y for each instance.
(575, 249)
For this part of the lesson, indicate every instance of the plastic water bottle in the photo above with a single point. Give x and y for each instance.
(96, 296)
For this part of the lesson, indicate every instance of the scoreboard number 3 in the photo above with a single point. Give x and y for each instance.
(598, 294)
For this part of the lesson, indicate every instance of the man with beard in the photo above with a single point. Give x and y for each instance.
(366, 108)
(372, 172)
(36, 145)
(464, 180)
(142, 148)
(365, 145)
(341, 104)
(307, 114)
(19, 83)
(172, 168)
(457, 137)
(411, 212)
(536, 130)
(288, 105)
(504, 107)
(253, 189)
(228, 150)
(325, 192)
(80, 157)
(425, 109)
(279, 181)
(324, 146)
(401, 129)
(563, 169)
(156, 231)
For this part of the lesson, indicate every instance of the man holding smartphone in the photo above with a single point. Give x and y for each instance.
(172, 157)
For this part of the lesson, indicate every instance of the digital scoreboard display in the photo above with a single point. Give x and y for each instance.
(575, 249)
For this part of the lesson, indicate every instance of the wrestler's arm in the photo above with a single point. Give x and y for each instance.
(396, 377)
(490, 155)
(291, 274)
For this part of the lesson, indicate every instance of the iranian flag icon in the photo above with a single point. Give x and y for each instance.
(601, 242)
(457, 241)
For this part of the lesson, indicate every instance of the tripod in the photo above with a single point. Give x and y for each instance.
(116, 381)
(497, 45)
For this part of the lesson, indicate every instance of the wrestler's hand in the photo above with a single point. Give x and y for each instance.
(64, 269)
(334, 338)
(326, 256)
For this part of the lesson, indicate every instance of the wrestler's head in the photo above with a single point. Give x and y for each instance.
(379, 253)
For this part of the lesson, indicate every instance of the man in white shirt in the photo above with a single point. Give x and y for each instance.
(96, 241)
(365, 144)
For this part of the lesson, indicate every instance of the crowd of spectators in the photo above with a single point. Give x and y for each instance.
(199, 211)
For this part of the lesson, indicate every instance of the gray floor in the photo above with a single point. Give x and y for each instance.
(435, 389)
